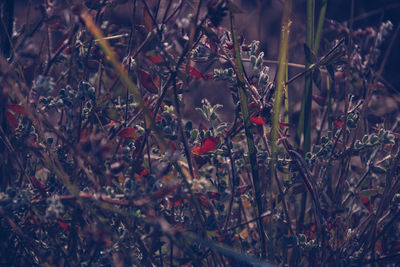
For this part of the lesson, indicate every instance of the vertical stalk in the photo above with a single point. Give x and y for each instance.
(280, 90)
(304, 126)
(286, 104)
(6, 26)
(308, 78)
(252, 152)
(320, 25)
(312, 41)
(280, 80)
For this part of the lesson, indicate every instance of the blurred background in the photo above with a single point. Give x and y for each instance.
(260, 20)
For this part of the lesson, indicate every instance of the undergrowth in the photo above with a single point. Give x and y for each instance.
(100, 165)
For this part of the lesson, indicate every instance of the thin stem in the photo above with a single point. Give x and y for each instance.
(252, 152)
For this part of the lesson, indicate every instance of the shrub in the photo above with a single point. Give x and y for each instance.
(101, 166)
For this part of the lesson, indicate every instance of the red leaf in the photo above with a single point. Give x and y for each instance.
(284, 124)
(172, 146)
(84, 133)
(246, 48)
(38, 185)
(240, 190)
(12, 121)
(396, 245)
(174, 203)
(378, 247)
(204, 202)
(253, 106)
(62, 41)
(128, 133)
(195, 72)
(257, 120)
(338, 123)
(367, 203)
(229, 45)
(144, 172)
(110, 124)
(147, 82)
(213, 46)
(57, 27)
(67, 50)
(213, 195)
(17, 109)
(160, 193)
(31, 141)
(208, 76)
(153, 57)
(148, 22)
(207, 145)
(196, 150)
(63, 225)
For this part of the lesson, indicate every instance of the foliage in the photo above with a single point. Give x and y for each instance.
(101, 166)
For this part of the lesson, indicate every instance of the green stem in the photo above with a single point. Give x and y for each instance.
(280, 81)
(320, 24)
(304, 126)
(252, 152)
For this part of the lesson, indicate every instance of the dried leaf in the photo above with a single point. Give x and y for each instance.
(244, 233)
